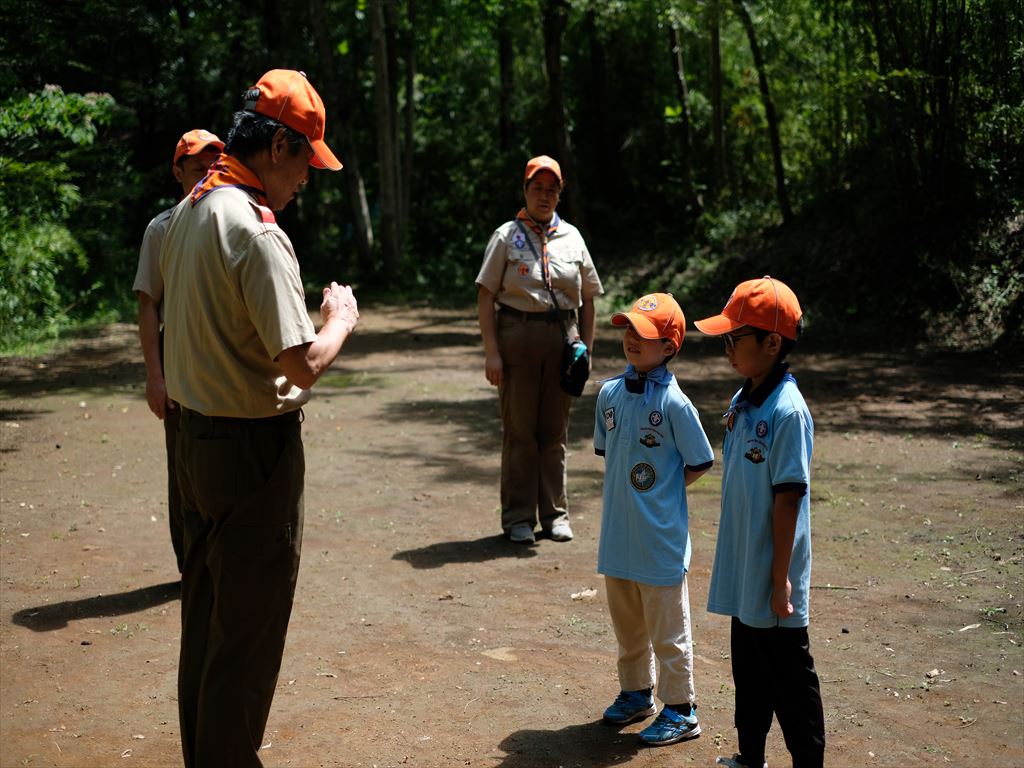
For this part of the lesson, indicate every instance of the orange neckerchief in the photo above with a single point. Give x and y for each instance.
(228, 172)
(544, 236)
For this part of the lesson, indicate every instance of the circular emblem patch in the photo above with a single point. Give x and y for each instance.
(655, 418)
(647, 303)
(762, 428)
(642, 476)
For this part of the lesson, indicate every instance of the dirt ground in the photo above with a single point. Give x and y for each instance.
(421, 638)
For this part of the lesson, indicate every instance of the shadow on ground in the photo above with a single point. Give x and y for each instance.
(477, 551)
(593, 745)
(45, 618)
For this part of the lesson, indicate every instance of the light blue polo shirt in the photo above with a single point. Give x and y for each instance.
(768, 442)
(644, 525)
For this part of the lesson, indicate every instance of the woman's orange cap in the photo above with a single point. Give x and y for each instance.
(542, 163)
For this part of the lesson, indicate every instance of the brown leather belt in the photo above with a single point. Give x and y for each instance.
(550, 316)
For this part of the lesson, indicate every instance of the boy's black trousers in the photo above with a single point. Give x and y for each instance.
(774, 674)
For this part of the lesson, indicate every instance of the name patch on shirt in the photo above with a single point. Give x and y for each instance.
(642, 476)
(609, 419)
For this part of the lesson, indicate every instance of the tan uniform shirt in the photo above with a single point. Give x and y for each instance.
(233, 302)
(148, 279)
(514, 275)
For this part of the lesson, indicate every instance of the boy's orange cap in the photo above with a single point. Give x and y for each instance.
(655, 316)
(287, 96)
(764, 303)
(542, 163)
(195, 141)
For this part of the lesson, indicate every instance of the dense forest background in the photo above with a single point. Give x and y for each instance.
(868, 152)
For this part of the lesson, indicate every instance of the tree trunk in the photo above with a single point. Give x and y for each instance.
(338, 108)
(506, 83)
(686, 121)
(769, 111)
(600, 123)
(555, 15)
(409, 121)
(717, 107)
(394, 78)
(387, 152)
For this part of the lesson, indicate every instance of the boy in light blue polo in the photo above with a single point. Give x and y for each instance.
(654, 446)
(762, 571)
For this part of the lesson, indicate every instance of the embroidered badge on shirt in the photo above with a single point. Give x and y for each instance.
(649, 440)
(754, 456)
(518, 241)
(642, 476)
(655, 418)
(730, 420)
(609, 419)
(762, 428)
(524, 269)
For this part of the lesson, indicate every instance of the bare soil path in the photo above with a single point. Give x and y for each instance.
(421, 638)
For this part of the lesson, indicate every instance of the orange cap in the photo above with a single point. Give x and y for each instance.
(542, 163)
(765, 303)
(655, 316)
(286, 96)
(194, 142)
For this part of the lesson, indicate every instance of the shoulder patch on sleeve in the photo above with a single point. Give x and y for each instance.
(265, 214)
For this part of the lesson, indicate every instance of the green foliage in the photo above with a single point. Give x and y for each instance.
(901, 128)
(40, 134)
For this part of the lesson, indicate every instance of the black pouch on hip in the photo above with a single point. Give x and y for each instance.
(575, 367)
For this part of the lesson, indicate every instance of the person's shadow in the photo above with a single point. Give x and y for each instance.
(592, 744)
(45, 618)
(476, 551)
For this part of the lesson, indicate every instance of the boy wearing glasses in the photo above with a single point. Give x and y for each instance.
(654, 446)
(762, 570)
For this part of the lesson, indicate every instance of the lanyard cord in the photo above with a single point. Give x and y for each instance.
(544, 270)
(543, 259)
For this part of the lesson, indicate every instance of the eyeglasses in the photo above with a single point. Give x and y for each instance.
(730, 339)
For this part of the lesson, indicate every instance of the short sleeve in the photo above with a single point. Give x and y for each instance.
(690, 439)
(590, 282)
(493, 268)
(789, 461)
(600, 428)
(272, 291)
(148, 278)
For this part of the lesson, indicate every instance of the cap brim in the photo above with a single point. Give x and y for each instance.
(323, 157)
(644, 328)
(717, 325)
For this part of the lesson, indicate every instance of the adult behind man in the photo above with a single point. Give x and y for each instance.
(195, 151)
(242, 354)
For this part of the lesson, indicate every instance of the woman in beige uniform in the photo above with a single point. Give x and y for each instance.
(537, 285)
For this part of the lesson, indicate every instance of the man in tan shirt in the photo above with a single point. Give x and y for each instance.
(195, 151)
(241, 355)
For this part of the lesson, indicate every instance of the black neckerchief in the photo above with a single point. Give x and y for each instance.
(636, 386)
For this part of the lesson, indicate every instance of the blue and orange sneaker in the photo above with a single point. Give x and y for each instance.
(629, 706)
(671, 725)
